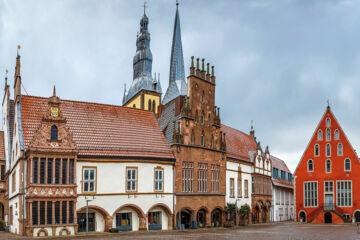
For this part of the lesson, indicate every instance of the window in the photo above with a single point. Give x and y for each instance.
(71, 171)
(336, 135)
(49, 212)
(131, 179)
(316, 150)
(339, 149)
(328, 134)
(57, 212)
(246, 188)
(35, 213)
(310, 165)
(328, 166)
(159, 179)
(232, 194)
(57, 171)
(13, 182)
(153, 106)
(64, 212)
(2, 172)
(35, 170)
(202, 118)
(310, 194)
(212, 141)
(192, 138)
(42, 212)
(134, 106)
(320, 135)
(89, 180)
(347, 164)
(329, 187)
(123, 219)
(344, 194)
(154, 218)
(42, 170)
(202, 177)
(215, 181)
(11, 216)
(239, 193)
(71, 212)
(64, 175)
(149, 105)
(49, 170)
(328, 122)
(187, 176)
(202, 138)
(54, 132)
(328, 150)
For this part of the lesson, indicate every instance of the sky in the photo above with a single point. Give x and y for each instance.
(276, 62)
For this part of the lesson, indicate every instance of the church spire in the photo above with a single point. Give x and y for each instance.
(177, 84)
(17, 76)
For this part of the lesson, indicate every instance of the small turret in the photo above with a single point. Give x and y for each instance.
(17, 77)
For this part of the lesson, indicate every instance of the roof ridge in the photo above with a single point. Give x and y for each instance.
(236, 129)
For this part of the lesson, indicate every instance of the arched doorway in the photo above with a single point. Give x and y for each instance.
(328, 217)
(96, 219)
(2, 212)
(128, 217)
(159, 217)
(302, 216)
(357, 216)
(201, 218)
(186, 216)
(216, 217)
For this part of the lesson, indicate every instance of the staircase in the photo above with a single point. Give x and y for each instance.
(328, 208)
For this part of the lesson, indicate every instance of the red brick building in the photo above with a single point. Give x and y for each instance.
(327, 180)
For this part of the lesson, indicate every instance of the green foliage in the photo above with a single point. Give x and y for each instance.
(2, 225)
(244, 211)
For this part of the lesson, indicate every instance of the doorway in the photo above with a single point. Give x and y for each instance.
(328, 217)
(81, 217)
(357, 216)
(124, 221)
(201, 218)
(329, 205)
(185, 219)
(302, 217)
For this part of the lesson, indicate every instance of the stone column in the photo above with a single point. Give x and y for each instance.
(170, 221)
(108, 223)
(142, 223)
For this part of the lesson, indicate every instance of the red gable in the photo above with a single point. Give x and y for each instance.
(101, 130)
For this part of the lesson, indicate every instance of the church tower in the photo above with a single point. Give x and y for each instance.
(177, 84)
(145, 91)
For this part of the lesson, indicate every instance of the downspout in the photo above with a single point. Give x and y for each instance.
(174, 215)
(23, 193)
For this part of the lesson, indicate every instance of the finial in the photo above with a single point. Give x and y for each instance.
(192, 61)
(207, 68)
(18, 49)
(177, 3)
(145, 6)
(328, 103)
(203, 66)
(158, 77)
(7, 71)
(54, 92)
(252, 125)
(197, 63)
(212, 71)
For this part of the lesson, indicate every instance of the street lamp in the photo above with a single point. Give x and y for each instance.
(87, 212)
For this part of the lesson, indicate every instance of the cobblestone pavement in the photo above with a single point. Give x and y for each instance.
(280, 231)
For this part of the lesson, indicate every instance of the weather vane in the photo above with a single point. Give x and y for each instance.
(145, 6)
(328, 103)
(18, 48)
(252, 124)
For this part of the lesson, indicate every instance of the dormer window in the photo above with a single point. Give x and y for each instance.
(54, 133)
(328, 122)
(149, 105)
(153, 106)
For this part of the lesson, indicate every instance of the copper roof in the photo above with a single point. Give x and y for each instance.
(279, 164)
(101, 130)
(238, 144)
(2, 147)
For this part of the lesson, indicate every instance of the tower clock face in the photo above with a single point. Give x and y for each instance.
(54, 112)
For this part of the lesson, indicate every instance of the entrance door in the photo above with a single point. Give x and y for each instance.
(154, 221)
(357, 216)
(81, 218)
(328, 217)
(123, 221)
(201, 218)
(329, 205)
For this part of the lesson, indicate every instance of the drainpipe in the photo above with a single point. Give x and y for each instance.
(174, 195)
(23, 193)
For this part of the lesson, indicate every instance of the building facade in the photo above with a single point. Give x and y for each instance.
(327, 176)
(282, 191)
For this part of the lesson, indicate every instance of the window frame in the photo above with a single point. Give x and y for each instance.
(54, 133)
(136, 179)
(328, 122)
(347, 170)
(328, 134)
(84, 168)
(320, 136)
(232, 188)
(337, 192)
(312, 162)
(159, 169)
(326, 150)
(337, 132)
(342, 149)
(326, 166)
(317, 147)
(315, 191)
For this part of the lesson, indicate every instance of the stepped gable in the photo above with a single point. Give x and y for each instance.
(238, 144)
(101, 130)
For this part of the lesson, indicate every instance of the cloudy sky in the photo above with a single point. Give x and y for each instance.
(276, 61)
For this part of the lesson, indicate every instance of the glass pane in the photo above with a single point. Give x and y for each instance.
(86, 174)
(92, 174)
(129, 174)
(86, 187)
(91, 186)
(156, 174)
(160, 174)
(133, 174)
(160, 186)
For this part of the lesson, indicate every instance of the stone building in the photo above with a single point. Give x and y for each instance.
(282, 191)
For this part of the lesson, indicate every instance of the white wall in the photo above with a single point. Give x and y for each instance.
(282, 200)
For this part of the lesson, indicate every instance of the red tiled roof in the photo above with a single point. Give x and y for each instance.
(282, 183)
(100, 129)
(279, 164)
(2, 147)
(238, 144)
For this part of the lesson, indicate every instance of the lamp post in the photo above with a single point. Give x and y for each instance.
(87, 213)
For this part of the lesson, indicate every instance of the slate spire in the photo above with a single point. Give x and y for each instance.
(177, 85)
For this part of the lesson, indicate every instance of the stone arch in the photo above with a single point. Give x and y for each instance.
(66, 230)
(103, 212)
(217, 216)
(162, 206)
(356, 215)
(42, 230)
(203, 218)
(140, 214)
(302, 216)
(187, 215)
(168, 213)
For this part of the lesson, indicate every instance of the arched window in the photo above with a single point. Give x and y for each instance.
(316, 150)
(339, 149)
(192, 138)
(328, 122)
(54, 132)
(336, 135)
(202, 118)
(202, 138)
(328, 166)
(328, 150)
(320, 135)
(310, 165)
(149, 105)
(212, 141)
(347, 164)
(153, 106)
(134, 106)
(328, 134)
